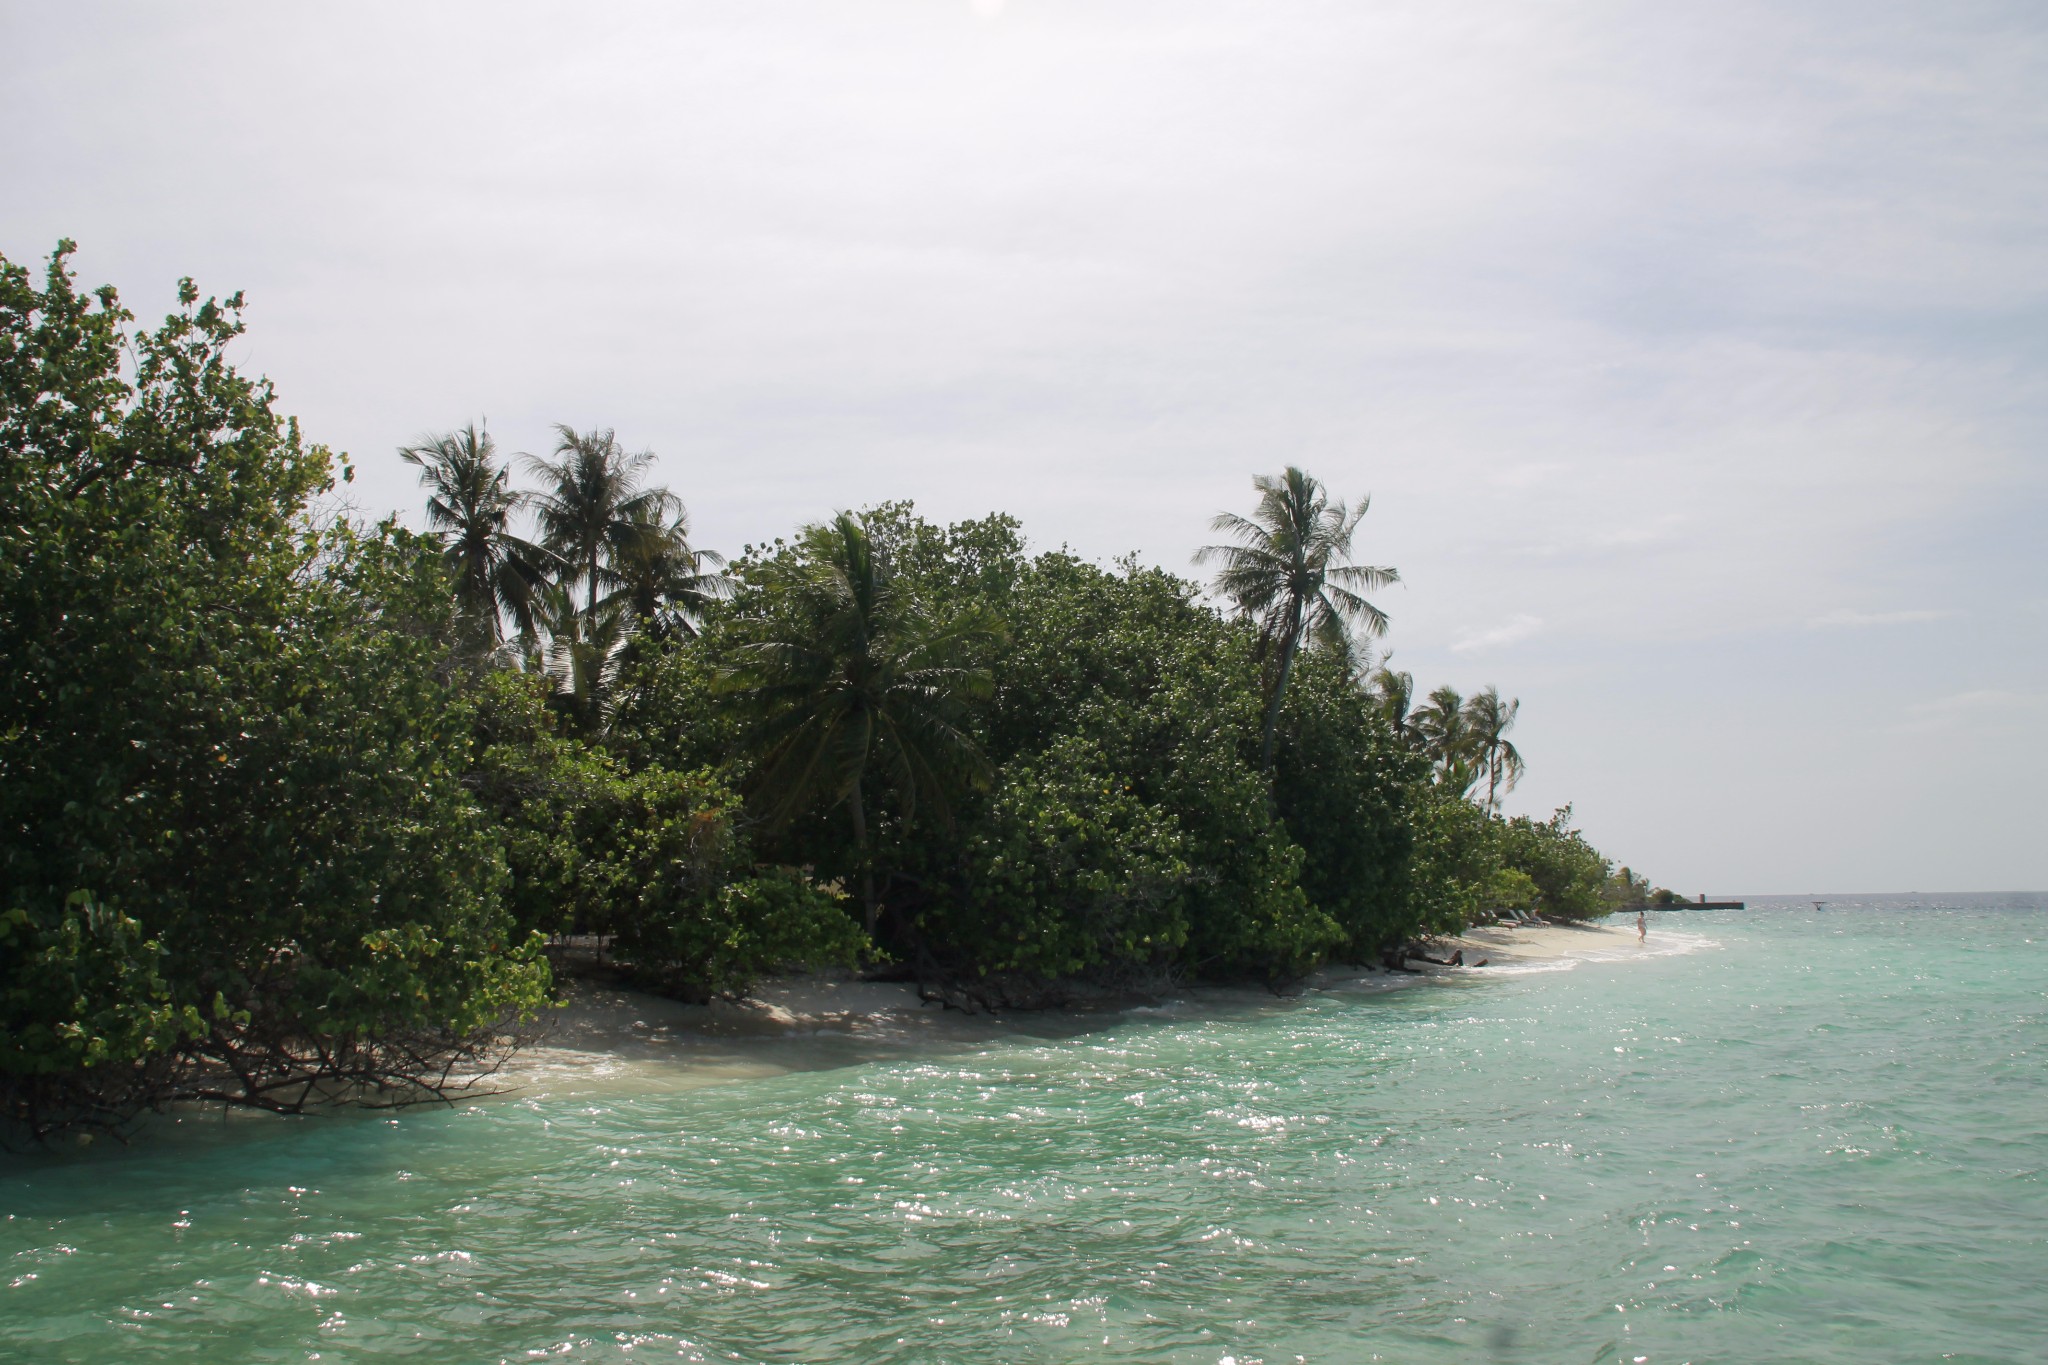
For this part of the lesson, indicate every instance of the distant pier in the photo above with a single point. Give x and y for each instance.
(1704, 904)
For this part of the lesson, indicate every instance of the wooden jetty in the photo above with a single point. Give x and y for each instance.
(1701, 904)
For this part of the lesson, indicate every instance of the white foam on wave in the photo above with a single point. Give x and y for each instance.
(1662, 945)
(1535, 966)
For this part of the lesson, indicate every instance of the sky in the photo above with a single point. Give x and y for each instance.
(1694, 358)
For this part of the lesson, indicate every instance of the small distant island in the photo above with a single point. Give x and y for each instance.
(297, 806)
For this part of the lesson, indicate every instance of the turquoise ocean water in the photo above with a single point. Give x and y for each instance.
(1782, 1135)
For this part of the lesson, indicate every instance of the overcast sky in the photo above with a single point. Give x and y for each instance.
(1695, 357)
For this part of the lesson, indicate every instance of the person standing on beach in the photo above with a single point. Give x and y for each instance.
(1642, 927)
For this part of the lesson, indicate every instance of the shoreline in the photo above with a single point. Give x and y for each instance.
(613, 1033)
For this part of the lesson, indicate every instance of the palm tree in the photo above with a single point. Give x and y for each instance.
(593, 508)
(1394, 694)
(581, 655)
(1447, 737)
(665, 582)
(1289, 574)
(1487, 721)
(858, 681)
(470, 509)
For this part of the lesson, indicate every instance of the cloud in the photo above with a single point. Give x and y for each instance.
(1520, 628)
(1845, 616)
(1977, 700)
(1985, 709)
(1696, 325)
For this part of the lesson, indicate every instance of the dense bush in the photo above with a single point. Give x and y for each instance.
(1070, 872)
(695, 945)
(1123, 832)
(1571, 877)
(237, 855)
(1167, 694)
(1349, 792)
(649, 857)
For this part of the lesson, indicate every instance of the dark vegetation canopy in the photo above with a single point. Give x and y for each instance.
(292, 807)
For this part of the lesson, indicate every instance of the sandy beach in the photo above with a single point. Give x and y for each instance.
(1501, 944)
(808, 1022)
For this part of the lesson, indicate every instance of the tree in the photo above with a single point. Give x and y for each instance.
(237, 859)
(593, 508)
(1447, 737)
(1487, 722)
(851, 678)
(1289, 574)
(665, 582)
(1394, 694)
(581, 655)
(656, 858)
(1127, 674)
(496, 574)
(1571, 876)
(1342, 780)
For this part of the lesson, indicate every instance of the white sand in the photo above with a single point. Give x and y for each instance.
(1545, 942)
(614, 1036)
(807, 1022)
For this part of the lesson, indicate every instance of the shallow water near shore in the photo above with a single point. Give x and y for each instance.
(1782, 1134)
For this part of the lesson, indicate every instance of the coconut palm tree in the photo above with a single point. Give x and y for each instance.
(1394, 695)
(470, 510)
(1487, 722)
(1447, 737)
(581, 653)
(1289, 573)
(857, 687)
(663, 581)
(594, 508)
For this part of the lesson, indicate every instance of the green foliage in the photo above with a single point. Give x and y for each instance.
(495, 574)
(855, 684)
(555, 804)
(275, 814)
(230, 769)
(97, 959)
(1070, 873)
(695, 945)
(1626, 890)
(650, 856)
(1571, 876)
(1288, 574)
(1166, 693)
(1512, 889)
(623, 562)
(1469, 864)
(1346, 786)
(1457, 861)
(669, 711)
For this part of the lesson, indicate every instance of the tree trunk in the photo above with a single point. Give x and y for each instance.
(869, 909)
(1287, 648)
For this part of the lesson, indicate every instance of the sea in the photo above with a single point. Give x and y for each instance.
(1786, 1133)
